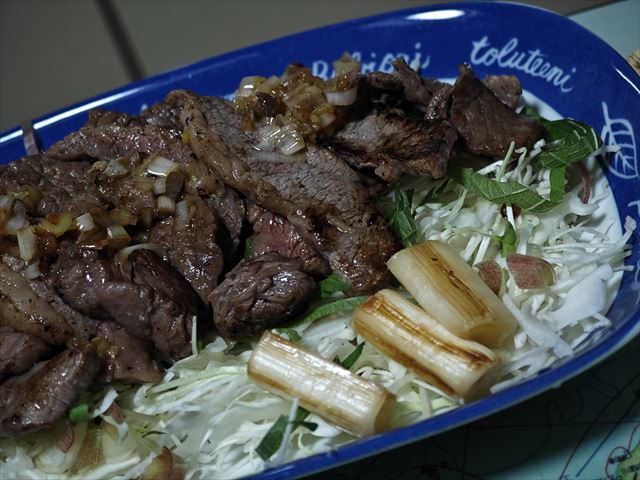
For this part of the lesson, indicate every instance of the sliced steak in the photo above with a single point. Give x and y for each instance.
(63, 186)
(506, 88)
(162, 115)
(260, 294)
(274, 233)
(43, 395)
(125, 358)
(230, 211)
(112, 142)
(146, 296)
(124, 192)
(192, 245)
(317, 192)
(24, 311)
(228, 208)
(176, 304)
(82, 327)
(486, 125)
(415, 87)
(99, 117)
(394, 143)
(79, 275)
(425, 91)
(19, 352)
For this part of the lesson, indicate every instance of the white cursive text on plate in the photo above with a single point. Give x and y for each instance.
(417, 60)
(531, 62)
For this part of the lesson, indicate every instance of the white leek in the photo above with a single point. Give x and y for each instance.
(350, 402)
(449, 290)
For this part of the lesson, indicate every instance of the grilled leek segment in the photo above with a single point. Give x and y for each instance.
(407, 334)
(449, 290)
(340, 397)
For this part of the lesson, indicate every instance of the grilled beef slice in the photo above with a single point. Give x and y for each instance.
(506, 88)
(19, 352)
(230, 212)
(125, 358)
(24, 311)
(260, 294)
(41, 396)
(193, 249)
(273, 233)
(82, 327)
(146, 295)
(407, 123)
(486, 125)
(394, 143)
(112, 142)
(316, 191)
(63, 186)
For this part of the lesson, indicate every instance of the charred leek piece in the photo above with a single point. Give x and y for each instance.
(452, 292)
(404, 332)
(340, 397)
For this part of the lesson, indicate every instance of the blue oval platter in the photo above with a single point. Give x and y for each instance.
(561, 63)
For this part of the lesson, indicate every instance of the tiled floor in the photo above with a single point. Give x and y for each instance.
(57, 52)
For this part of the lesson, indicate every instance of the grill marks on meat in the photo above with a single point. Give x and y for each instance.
(43, 395)
(260, 294)
(147, 296)
(485, 124)
(330, 210)
(19, 352)
(193, 249)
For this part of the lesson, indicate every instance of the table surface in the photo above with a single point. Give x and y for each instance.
(581, 430)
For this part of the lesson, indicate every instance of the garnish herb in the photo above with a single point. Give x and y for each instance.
(332, 284)
(402, 222)
(79, 413)
(350, 359)
(342, 305)
(433, 195)
(531, 112)
(291, 333)
(402, 218)
(568, 142)
(508, 240)
(502, 192)
(273, 438)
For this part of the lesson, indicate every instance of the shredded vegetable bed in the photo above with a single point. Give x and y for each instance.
(208, 413)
